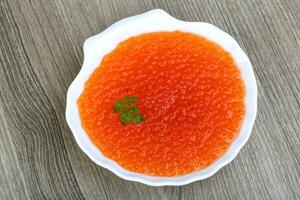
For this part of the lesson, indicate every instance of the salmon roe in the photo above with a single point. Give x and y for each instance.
(188, 88)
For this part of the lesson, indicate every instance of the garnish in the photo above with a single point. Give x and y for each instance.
(129, 112)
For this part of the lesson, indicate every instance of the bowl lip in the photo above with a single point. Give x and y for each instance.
(152, 18)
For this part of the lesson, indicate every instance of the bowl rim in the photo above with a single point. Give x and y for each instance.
(157, 20)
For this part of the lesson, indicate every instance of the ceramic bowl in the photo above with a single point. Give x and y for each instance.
(99, 45)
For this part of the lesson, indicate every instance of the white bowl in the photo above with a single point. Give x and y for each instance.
(99, 45)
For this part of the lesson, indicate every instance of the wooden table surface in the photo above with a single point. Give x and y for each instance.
(41, 53)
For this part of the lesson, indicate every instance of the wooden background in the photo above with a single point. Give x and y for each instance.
(41, 53)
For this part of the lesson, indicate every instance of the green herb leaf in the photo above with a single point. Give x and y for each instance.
(118, 105)
(128, 110)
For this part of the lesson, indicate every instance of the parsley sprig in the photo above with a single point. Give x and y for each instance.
(128, 110)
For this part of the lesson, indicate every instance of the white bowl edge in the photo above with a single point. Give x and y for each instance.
(99, 45)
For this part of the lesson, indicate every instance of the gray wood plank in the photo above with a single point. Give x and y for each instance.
(41, 53)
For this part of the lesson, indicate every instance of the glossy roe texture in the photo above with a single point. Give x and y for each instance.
(190, 91)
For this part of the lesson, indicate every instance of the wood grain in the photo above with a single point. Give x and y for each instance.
(41, 53)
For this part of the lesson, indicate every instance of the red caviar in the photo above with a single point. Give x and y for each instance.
(190, 91)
